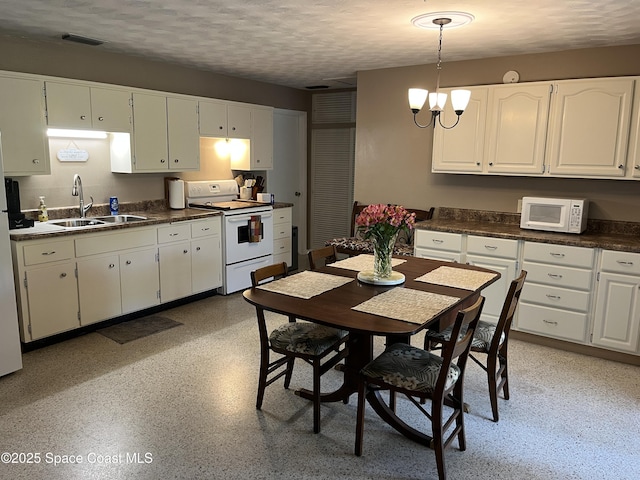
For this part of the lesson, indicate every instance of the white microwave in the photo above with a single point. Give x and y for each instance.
(562, 215)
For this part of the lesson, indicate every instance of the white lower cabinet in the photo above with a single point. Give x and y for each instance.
(282, 235)
(616, 323)
(497, 254)
(438, 245)
(206, 255)
(139, 283)
(556, 296)
(99, 289)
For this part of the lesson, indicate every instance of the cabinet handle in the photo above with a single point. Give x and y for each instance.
(554, 275)
(111, 265)
(100, 119)
(185, 251)
(491, 164)
(52, 252)
(205, 229)
(553, 297)
(63, 274)
(637, 167)
(35, 161)
(221, 127)
(197, 249)
(128, 262)
(162, 160)
(490, 247)
(83, 117)
(620, 166)
(173, 234)
(437, 240)
(478, 164)
(549, 322)
(557, 255)
(626, 264)
(176, 161)
(233, 128)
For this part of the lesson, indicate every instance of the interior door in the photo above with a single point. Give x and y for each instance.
(288, 179)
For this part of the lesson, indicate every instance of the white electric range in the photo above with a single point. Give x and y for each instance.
(241, 252)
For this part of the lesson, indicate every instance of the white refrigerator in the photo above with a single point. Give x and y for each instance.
(10, 351)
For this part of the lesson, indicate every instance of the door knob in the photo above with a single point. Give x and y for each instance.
(298, 194)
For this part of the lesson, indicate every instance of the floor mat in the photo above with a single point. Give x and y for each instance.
(134, 329)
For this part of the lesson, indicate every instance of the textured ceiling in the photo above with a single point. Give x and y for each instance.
(299, 43)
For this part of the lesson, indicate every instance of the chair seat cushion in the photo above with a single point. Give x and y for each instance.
(411, 368)
(481, 339)
(355, 244)
(305, 337)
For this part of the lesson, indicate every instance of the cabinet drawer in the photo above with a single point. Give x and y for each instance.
(281, 215)
(493, 247)
(282, 245)
(281, 230)
(205, 228)
(555, 297)
(552, 322)
(438, 255)
(48, 252)
(174, 233)
(115, 241)
(621, 262)
(559, 254)
(566, 277)
(438, 240)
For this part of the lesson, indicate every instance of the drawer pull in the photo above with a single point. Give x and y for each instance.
(437, 240)
(63, 274)
(549, 322)
(553, 297)
(557, 255)
(554, 275)
(490, 247)
(52, 252)
(625, 263)
(174, 234)
(205, 229)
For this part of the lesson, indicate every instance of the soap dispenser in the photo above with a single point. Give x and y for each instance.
(43, 216)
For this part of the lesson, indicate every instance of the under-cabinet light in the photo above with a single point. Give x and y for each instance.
(60, 132)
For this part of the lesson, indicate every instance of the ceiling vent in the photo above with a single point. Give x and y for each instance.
(72, 37)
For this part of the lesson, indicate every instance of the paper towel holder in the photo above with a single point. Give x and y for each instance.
(174, 196)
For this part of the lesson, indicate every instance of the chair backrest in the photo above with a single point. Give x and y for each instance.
(508, 311)
(320, 256)
(357, 208)
(458, 346)
(277, 270)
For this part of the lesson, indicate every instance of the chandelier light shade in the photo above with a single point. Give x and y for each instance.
(437, 100)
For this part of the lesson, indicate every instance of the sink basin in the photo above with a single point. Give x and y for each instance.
(120, 218)
(77, 222)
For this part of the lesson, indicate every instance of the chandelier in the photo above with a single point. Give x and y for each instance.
(437, 99)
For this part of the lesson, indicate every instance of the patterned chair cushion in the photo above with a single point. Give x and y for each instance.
(481, 339)
(359, 245)
(409, 367)
(305, 337)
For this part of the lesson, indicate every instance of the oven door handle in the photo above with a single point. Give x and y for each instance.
(244, 219)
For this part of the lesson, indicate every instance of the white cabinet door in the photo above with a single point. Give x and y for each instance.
(461, 149)
(111, 110)
(150, 132)
(517, 129)
(68, 105)
(53, 299)
(213, 119)
(261, 139)
(183, 136)
(206, 263)
(99, 289)
(25, 148)
(139, 280)
(175, 271)
(589, 127)
(496, 292)
(617, 316)
(238, 121)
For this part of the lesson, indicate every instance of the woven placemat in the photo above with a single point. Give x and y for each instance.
(457, 277)
(305, 284)
(414, 306)
(362, 262)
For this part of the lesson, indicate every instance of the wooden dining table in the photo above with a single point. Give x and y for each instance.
(335, 307)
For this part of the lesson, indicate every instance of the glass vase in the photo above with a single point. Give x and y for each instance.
(382, 255)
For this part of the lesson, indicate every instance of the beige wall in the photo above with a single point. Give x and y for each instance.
(393, 157)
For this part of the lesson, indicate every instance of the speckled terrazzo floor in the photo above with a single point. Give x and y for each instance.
(180, 404)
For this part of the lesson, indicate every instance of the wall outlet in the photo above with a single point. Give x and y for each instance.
(519, 207)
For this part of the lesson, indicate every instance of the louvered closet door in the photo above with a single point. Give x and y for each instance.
(332, 154)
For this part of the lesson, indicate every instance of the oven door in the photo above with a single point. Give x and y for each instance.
(238, 246)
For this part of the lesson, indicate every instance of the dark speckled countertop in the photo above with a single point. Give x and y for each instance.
(156, 212)
(610, 235)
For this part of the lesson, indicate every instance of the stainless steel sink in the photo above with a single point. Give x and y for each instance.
(120, 218)
(77, 222)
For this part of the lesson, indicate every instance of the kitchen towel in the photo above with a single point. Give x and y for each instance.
(255, 229)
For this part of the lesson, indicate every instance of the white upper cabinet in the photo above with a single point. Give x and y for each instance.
(460, 150)
(22, 123)
(82, 107)
(633, 156)
(589, 127)
(182, 127)
(517, 128)
(224, 119)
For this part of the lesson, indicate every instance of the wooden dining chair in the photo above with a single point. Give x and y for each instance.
(322, 256)
(493, 341)
(421, 375)
(320, 346)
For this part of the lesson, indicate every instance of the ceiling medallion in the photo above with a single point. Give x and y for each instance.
(429, 20)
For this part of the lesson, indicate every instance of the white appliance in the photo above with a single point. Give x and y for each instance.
(562, 215)
(242, 252)
(10, 351)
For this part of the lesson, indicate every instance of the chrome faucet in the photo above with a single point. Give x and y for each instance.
(76, 191)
